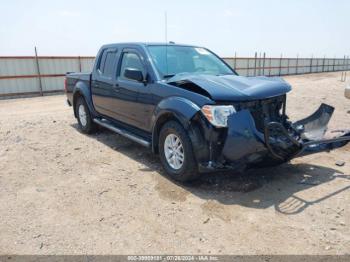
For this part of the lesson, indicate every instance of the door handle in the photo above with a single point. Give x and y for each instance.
(116, 88)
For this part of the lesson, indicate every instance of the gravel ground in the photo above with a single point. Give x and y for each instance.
(63, 192)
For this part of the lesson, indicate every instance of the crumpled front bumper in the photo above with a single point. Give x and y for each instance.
(248, 146)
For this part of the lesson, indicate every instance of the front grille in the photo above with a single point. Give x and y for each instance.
(265, 111)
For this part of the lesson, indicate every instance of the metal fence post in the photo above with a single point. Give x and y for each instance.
(297, 65)
(258, 64)
(333, 63)
(260, 57)
(38, 70)
(324, 61)
(287, 66)
(256, 54)
(248, 66)
(312, 56)
(235, 61)
(280, 66)
(79, 60)
(264, 64)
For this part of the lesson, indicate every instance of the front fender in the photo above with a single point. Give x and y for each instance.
(182, 108)
(179, 108)
(82, 89)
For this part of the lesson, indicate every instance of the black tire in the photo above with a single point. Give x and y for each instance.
(90, 126)
(189, 168)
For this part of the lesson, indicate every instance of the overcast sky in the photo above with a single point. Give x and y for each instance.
(68, 27)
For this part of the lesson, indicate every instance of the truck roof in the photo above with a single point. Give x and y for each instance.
(143, 44)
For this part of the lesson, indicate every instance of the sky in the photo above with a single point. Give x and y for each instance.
(68, 27)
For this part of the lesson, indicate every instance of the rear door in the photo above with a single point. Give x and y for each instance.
(103, 82)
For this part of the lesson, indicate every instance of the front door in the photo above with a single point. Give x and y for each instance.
(127, 91)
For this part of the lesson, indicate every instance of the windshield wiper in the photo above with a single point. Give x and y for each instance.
(169, 76)
(226, 74)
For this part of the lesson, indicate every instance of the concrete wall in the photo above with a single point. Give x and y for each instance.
(27, 75)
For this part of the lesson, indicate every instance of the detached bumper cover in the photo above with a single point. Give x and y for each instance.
(244, 143)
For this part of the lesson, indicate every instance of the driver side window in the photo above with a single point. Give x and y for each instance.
(130, 61)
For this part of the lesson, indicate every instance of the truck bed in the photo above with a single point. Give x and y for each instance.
(71, 81)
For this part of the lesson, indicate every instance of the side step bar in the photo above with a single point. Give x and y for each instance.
(122, 132)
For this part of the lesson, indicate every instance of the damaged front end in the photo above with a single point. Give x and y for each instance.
(260, 134)
(254, 130)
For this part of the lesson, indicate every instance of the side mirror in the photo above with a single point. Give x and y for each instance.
(134, 74)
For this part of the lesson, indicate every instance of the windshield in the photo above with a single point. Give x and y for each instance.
(172, 60)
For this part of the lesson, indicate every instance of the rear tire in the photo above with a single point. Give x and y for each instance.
(86, 124)
(176, 153)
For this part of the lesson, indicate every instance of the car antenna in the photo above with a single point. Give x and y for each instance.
(166, 41)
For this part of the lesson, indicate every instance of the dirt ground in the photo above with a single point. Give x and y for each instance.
(63, 192)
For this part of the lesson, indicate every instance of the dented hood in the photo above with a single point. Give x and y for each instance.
(232, 87)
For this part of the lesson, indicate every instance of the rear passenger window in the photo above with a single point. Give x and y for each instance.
(109, 64)
(106, 66)
(101, 63)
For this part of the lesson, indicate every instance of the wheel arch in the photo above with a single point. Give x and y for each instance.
(176, 109)
(82, 90)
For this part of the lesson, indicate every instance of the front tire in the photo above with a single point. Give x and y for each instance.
(86, 124)
(176, 153)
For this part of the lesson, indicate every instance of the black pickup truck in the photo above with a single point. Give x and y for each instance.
(192, 108)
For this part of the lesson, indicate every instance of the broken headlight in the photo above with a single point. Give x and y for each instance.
(217, 115)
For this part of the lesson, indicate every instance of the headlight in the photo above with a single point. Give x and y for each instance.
(217, 115)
